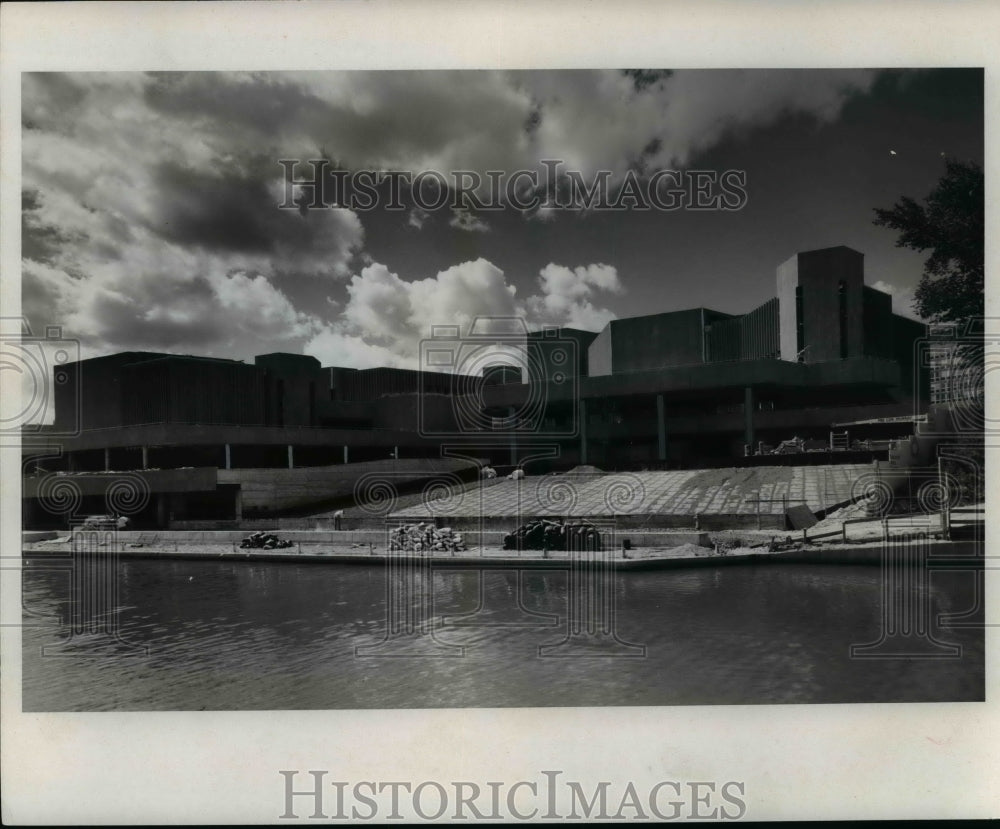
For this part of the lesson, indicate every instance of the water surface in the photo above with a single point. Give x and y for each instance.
(281, 635)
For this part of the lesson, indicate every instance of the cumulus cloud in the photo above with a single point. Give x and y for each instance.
(566, 295)
(387, 317)
(141, 231)
(902, 299)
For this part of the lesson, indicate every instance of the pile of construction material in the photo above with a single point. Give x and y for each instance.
(552, 535)
(425, 539)
(264, 541)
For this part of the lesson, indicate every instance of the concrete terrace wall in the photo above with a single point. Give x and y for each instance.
(283, 489)
(653, 498)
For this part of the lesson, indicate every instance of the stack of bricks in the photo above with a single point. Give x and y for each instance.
(426, 539)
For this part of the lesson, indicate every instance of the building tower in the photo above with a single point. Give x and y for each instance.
(821, 300)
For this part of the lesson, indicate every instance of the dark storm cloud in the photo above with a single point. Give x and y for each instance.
(266, 104)
(234, 210)
(49, 98)
(126, 318)
(40, 241)
(362, 119)
(227, 212)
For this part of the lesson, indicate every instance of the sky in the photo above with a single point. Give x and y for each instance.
(157, 215)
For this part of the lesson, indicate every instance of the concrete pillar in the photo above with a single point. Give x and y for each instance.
(107, 459)
(239, 504)
(70, 462)
(145, 457)
(661, 429)
(748, 404)
(229, 457)
(345, 455)
(291, 456)
(513, 436)
(583, 431)
(395, 453)
(162, 510)
(28, 512)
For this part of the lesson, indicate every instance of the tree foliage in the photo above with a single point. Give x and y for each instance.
(950, 224)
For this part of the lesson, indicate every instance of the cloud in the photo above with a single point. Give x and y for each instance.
(504, 120)
(566, 297)
(386, 317)
(151, 214)
(543, 214)
(464, 220)
(417, 218)
(902, 299)
(334, 347)
(139, 230)
(158, 298)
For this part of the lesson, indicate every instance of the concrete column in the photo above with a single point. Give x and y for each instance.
(395, 453)
(107, 459)
(229, 457)
(291, 456)
(513, 436)
(145, 457)
(239, 504)
(748, 404)
(70, 462)
(345, 455)
(661, 429)
(583, 431)
(162, 510)
(28, 511)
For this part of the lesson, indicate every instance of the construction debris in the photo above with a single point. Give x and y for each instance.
(425, 539)
(552, 535)
(264, 541)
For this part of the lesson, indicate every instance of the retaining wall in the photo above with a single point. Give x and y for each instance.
(160, 538)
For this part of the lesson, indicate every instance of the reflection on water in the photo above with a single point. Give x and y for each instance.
(240, 635)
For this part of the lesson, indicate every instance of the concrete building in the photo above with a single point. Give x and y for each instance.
(682, 388)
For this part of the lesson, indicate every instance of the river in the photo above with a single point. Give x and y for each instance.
(212, 635)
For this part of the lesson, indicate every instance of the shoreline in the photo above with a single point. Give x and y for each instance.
(941, 554)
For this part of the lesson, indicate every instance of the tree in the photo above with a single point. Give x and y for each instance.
(950, 223)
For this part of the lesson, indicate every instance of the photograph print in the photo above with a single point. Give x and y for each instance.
(411, 389)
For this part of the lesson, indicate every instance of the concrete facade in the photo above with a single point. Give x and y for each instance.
(821, 297)
(675, 389)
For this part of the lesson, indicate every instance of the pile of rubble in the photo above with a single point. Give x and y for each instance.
(552, 535)
(425, 538)
(264, 541)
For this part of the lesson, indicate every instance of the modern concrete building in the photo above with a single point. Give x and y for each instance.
(683, 388)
